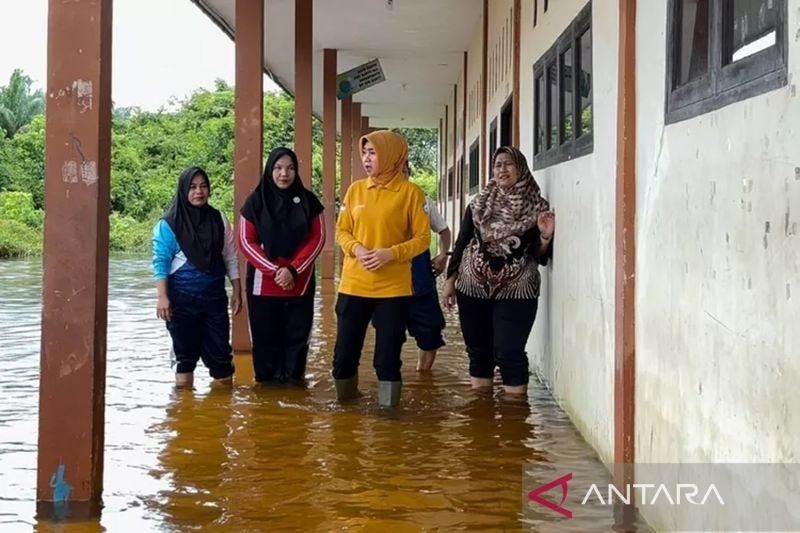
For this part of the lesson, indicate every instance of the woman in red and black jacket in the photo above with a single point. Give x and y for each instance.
(281, 233)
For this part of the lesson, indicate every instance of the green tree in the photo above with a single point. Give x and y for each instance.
(22, 161)
(422, 148)
(18, 103)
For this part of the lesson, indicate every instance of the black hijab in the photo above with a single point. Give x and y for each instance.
(282, 216)
(198, 230)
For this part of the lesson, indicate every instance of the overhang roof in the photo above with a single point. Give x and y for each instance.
(420, 45)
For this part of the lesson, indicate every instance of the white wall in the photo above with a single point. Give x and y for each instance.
(572, 343)
(718, 271)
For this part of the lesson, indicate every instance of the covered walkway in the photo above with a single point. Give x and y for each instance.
(659, 135)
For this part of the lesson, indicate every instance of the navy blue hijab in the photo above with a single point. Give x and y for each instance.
(198, 230)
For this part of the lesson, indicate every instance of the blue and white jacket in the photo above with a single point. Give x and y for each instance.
(171, 264)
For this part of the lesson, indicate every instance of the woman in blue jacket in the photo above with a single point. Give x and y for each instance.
(193, 250)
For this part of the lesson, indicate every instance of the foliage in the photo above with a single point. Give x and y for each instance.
(19, 240)
(149, 150)
(426, 179)
(423, 146)
(126, 234)
(19, 103)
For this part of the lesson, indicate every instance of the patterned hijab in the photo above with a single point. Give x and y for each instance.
(502, 213)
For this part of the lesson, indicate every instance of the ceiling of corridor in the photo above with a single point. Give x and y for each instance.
(420, 44)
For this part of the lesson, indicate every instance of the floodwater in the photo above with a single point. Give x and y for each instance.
(280, 459)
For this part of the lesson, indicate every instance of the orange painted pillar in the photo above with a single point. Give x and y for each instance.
(357, 169)
(329, 159)
(455, 154)
(517, 35)
(75, 286)
(346, 161)
(484, 99)
(625, 266)
(346, 173)
(303, 85)
(249, 128)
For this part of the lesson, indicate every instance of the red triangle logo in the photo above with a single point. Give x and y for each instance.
(536, 495)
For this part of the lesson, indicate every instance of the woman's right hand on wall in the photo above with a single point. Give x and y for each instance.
(449, 293)
(163, 308)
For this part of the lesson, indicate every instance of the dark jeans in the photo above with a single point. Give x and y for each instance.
(201, 329)
(426, 321)
(353, 314)
(280, 329)
(495, 333)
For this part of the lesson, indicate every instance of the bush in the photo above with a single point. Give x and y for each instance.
(18, 239)
(18, 207)
(127, 234)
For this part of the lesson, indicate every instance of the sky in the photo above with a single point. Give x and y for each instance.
(161, 49)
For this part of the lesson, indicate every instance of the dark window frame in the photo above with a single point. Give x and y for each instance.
(450, 183)
(723, 84)
(506, 119)
(579, 143)
(492, 144)
(474, 167)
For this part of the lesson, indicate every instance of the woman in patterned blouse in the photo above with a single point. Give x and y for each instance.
(493, 274)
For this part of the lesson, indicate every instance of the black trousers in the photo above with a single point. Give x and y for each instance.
(280, 329)
(201, 329)
(495, 333)
(353, 315)
(426, 321)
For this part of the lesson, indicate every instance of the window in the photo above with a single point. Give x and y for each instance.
(492, 144)
(723, 51)
(506, 122)
(474, 167)
(540, 117)
(563, 95)
(450, 184)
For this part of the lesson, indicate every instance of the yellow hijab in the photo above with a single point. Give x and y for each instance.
(392, 150)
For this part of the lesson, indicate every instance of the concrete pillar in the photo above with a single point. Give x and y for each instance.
(455, 157)
(625, 270)
(484, 98)
(329, 159)
(346, 173)
(357, 168)
(75, 286)
(517, 33)
(346, 161)
(249, 127)
(303, 86)
(462, 200)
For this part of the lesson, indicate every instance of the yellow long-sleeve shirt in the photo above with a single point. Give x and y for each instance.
(382, 216)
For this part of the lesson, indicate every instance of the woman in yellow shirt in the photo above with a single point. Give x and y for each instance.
(382, 226)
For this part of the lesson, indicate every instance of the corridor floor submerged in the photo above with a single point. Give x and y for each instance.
(280, 458)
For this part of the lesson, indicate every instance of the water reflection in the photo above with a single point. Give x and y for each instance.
(277, 458)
